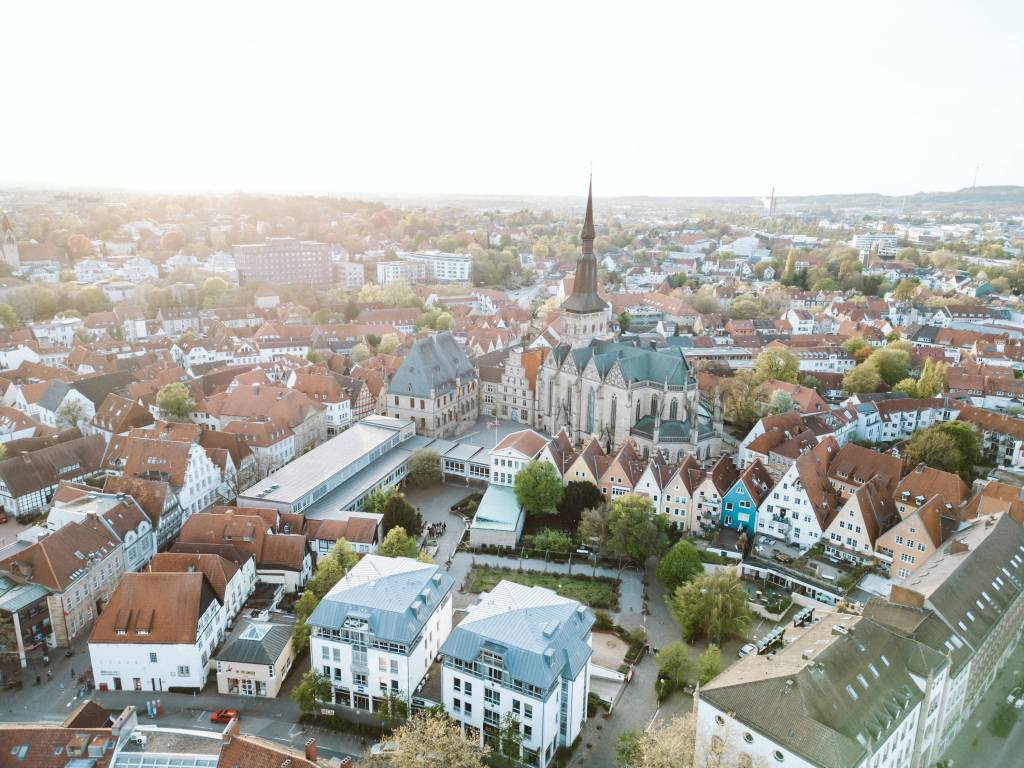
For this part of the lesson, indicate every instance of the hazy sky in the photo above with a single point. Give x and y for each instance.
(514, 98)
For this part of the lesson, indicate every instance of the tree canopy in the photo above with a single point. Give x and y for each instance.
(424, 468)
(674, 663)
(538, 488)
(431, 738)
(713, 605)
(634, 530)
(174, 401)
(951, 446)
(398, 512)
(398, 543)
(679, 564)
(778, 364)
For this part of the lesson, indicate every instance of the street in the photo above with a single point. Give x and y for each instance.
(975, 745)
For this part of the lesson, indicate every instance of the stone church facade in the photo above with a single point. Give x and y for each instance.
(593, 386)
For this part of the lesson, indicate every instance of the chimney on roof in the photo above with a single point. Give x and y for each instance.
(958, 546)
(311, 750)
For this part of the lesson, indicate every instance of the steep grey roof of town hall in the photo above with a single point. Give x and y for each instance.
(434, 363)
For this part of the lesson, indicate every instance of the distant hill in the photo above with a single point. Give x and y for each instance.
(995, 199)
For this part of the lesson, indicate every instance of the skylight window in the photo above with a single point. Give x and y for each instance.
(873, 670)
(885, 661)
(853, 693)
(862, 681)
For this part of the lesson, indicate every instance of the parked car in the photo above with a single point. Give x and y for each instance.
(782, 557)
(1016, 698)
(384, 748)
(223, 715)
(746, 650)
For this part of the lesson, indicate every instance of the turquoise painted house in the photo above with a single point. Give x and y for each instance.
(740, 502)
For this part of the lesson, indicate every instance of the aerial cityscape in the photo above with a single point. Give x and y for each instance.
(348, 417)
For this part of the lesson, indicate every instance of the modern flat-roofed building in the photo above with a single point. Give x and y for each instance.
(285, 261)
(443, 267)
(522, 652)
(309, 478)
(376, 633)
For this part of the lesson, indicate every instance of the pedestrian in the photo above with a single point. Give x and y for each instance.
(49, 674)
(72, 673)
(38, 679)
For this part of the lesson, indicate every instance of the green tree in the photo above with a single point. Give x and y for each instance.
(681, 563)
(624, 322)
(174, 401)
(781, 402)
(579, 495)
(634, 530)
(862, 379)
(444, 322)
(388, 344)
(424, 468)
(8, 316)
(359, 353)
(593, 527)
(709, 664)
(344, 555)
(893, 364)
(854, 344)
(777, 364)
(713, 605)
(378, 499)
(399, 513)
(510, 737)
(908, 386)
(552, 540)
(304, 608)
(932, 380)
(328, 573)
(212, 293)
(313, 689)
(538, 488)
(398, 544)
(904, 290)
(951, 446)
(674, 664)
(741, 401)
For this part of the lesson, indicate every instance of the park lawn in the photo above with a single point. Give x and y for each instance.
(596, 593)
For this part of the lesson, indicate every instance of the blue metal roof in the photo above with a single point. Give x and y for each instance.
(394, 595)
(540, 635)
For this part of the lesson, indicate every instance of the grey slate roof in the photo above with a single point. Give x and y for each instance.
(435, 363)
(245, 648)
(812, 713)
(394, 595)
(540, 635)
(54, 395)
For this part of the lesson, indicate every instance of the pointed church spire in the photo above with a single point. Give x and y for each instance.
(584, 298)
(587, 235)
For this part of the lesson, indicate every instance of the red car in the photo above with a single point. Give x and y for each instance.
(223, 715)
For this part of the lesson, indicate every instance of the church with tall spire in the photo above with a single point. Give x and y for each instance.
(618, 390)
(585, 313)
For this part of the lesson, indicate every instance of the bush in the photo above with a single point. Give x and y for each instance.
(595, 702)
(1003, 721)
(603, 621)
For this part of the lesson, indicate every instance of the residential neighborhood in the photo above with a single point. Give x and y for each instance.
(666, 412)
